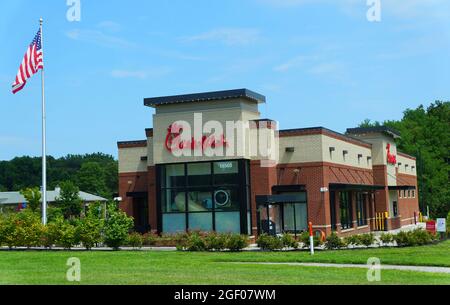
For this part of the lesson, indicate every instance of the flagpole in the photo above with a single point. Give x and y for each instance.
(44, 140)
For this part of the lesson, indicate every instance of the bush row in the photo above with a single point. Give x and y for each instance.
(25, 229)
(403, 239)
(193, 241)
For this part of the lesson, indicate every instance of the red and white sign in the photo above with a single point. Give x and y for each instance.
(174, 140)
(391, 158)
(431, 226)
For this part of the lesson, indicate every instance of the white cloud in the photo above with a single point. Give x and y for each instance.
(228, 36)
(109, 25)
(294, 63)
(141, 74)
(99, 38)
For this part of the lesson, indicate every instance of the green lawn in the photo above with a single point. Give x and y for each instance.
(31, 267)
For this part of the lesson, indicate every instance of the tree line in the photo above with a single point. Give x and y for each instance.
(93, 173)
(425, 134)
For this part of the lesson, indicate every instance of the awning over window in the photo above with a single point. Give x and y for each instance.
(288, 188)
(264, 200)
(401, 187)
(354, 187)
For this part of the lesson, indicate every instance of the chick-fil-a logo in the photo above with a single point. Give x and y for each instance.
(174, 140)
(391, 158)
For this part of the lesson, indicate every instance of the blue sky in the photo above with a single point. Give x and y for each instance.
(320, 63)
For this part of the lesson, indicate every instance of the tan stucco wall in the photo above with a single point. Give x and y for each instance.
(316, 148)
(130, 160)
(222, 112)
(410, 170)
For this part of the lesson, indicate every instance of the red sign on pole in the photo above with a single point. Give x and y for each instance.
(431, 226)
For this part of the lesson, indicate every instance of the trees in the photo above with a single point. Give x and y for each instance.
(69, 200)
(25, 172)
(426, 134)
(33, 197)
(92, 178)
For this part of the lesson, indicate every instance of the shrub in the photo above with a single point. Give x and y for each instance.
(386, 238)
(289, 241)
(236, 242)
(402, 239)
(135, 240)
(214, 241)
(117, 227)
(28, 229)
(268, 242)
(89, 231)
(149, 239)
(195, 243)
(304, 238)
(334, 242)
(421, 237)
(51, 234)
(353, 240)
(367, 239)
(68, 236)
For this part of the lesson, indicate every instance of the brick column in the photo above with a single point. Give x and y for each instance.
(262, 180)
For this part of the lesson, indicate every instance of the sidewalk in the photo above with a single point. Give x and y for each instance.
(383, 267)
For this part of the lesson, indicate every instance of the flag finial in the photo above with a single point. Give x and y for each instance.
(41, 20)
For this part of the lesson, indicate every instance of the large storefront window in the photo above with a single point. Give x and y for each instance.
(345, 204)
(361, 210)
(207, 196)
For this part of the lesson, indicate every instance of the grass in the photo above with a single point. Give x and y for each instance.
(432, 255)
(171, 268)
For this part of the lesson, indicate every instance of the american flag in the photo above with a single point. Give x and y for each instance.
(31, 64)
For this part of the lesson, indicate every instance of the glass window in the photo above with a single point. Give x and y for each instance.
(226, 173)
(173, 201)
(228, 222)
(345, 205)
(361, 211)
(210, 195)
(200, 201)
(200, 222)
(295, 217)
(395, 208)
(174, 176)
(199, 174)
(227, 199)
(174, 223)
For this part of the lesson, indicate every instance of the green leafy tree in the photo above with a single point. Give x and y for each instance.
(425, 134)
(33, 197)
(69, 200)
(92, 178)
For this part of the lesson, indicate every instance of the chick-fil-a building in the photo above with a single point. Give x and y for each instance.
(211, 163)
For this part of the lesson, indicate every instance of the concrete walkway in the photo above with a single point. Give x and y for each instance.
(383, 267)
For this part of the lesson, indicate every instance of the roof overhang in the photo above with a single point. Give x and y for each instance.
(206, 96)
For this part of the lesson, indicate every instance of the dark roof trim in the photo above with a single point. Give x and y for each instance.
(354, 187)
(278, 199)
(131, 144)
(379, 129)
(205, 96)
(324, 131)
(401, 187)
(405, 155)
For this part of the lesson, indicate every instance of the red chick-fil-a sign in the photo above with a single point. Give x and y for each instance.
(174, 140)
(391, 158)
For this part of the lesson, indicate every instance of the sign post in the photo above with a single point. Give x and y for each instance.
(311, 238)
(441, 227)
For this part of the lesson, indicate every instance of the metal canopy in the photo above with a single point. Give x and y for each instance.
(265, 200)
(354, 187)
